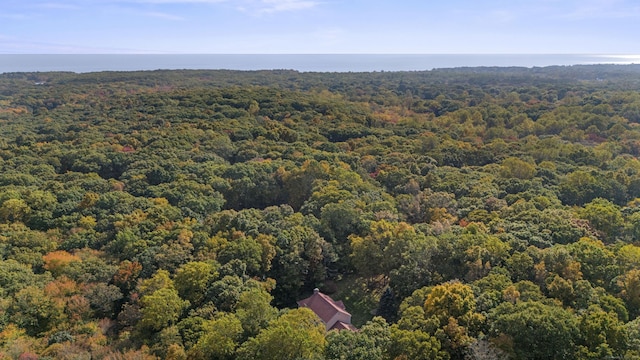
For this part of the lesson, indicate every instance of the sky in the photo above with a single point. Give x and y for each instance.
(319, 26)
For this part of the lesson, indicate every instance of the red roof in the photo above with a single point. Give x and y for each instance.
(343, 326)
(323, 305)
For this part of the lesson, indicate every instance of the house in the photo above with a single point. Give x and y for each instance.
(332, 313)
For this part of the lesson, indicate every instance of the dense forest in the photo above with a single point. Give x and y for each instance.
(471, 213)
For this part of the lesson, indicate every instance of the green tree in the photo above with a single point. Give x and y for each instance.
(451, 309)
(628, 256)
(602, 334)
(370, 343)
(160, 280)
(386, 247)
(520, 266)
(161, 308)
(451, 300)
(301, 260)
(604, 216)
(597, 263)
(297, 334)
(516, 168)
(219, 340)
(414, 344)
(103, 299)
(534, 330)
(225, 293)
(14, 210)
(633, 332)
(256, 253)
(15, 276)
(34, 311)
(254, 311)
(192, 279)
(629, 285)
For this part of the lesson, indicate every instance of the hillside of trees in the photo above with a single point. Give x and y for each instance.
(471, 213)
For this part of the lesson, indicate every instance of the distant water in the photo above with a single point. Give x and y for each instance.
(305, 63)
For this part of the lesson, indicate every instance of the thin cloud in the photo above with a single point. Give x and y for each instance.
(329, 34)
(265, 7)
(12, 45)
(250, 6)
(76, 4)
(262, 5)
(170, 1)
(603, 9)
(165, 16)
(56, 5)
(503, 16)
(14, 16)
(272, 6)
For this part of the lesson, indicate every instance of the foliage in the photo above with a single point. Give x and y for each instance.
(484, 212)
(297, 334)
(534, 330)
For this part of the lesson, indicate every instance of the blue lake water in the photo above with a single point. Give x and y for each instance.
(305, 63)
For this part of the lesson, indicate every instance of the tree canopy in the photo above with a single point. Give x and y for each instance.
(480, 212)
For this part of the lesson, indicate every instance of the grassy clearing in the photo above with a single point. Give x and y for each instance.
(359, 295)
